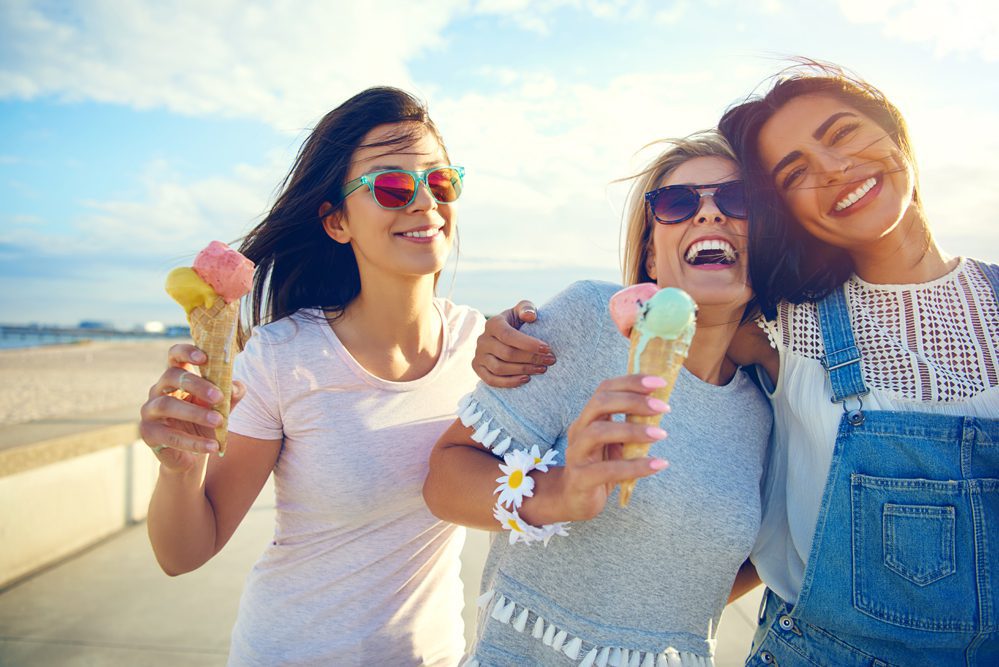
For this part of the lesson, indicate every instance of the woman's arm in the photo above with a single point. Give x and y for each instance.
(751, 345)
(462, 476)
(199, 500)
(193, 512)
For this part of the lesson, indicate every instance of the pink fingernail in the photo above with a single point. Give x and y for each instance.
(214, 418)
(198, 356)
(214, 395)
(657, 405)
(658, 464)
(653, 382)
(655, 432)
(524, 379)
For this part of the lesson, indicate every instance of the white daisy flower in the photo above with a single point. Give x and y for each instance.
(515, 484)
(520, 530)
(550, 530)
(542, 462)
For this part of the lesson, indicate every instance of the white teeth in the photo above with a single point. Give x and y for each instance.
(852, 198)
(423, 234)
(711, 244)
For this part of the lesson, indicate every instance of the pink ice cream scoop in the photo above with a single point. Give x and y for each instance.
(625, 303)
(227, 271)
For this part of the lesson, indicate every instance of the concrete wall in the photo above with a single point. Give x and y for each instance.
(56, 500)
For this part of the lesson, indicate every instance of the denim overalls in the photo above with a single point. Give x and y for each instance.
(904, 564)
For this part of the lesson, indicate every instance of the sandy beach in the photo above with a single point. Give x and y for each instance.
(79, 378)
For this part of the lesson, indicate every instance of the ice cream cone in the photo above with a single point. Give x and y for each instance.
(210, 292)
(659, 356)
(214, 331)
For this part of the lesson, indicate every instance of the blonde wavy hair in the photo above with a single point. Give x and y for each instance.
(637, 241)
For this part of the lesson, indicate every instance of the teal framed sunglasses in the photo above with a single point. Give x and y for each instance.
(396, 188)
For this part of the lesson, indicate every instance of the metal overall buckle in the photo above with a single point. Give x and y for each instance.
(855, 416)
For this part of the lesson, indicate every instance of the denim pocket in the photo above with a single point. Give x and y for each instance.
(918, 541)
(913, 552)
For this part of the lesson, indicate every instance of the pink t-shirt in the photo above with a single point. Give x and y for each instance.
(359, 572)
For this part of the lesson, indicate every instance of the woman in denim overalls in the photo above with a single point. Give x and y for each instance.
(880, 540)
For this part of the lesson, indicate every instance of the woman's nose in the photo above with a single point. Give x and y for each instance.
(834, 163)
(424, 200)
(709, 211)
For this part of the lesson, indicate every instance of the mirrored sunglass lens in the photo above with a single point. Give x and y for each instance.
(394, 189)
(445, 183)
(732, 198)
(675, 205)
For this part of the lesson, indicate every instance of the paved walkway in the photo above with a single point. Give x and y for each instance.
(111, 606)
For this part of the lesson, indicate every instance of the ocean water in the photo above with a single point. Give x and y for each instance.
(18, 339)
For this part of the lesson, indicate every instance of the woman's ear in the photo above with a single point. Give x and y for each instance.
(333, 223)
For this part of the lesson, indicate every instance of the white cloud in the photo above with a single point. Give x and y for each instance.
(284, 63)
(952, 26)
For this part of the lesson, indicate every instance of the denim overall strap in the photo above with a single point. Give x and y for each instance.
(842, 358)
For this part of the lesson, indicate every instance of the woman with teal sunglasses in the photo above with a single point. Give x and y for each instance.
(350, 375)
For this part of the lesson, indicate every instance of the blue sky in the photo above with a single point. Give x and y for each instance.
(131, 134)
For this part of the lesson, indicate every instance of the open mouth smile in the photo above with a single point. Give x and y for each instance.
(856, 195)
(426, 234)
(714, 252)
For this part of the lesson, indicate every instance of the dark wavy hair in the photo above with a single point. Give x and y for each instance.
(786, 262)
(298, 264)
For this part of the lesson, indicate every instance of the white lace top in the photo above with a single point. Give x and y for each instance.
(928, 347)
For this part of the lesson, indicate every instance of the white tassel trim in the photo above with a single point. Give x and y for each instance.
(485, 598)
(539, 628)
(471, 414)
(521, 623)
(505, 611)
(572, 648)
(515, 484)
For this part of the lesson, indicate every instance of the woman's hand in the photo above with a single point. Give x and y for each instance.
(177, 422)
(593, 463)
(505, 357)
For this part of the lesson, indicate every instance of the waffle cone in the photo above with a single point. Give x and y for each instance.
(662, 357)
(214, 331)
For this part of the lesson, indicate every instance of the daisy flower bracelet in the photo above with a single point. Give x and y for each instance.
(516, 484)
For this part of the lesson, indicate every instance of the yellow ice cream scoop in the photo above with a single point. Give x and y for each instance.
(189, 290)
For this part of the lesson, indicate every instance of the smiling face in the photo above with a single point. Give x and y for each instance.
(704, 255)
(841, 174)
(413, 241)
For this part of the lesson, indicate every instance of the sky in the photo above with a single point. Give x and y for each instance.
(131, 134)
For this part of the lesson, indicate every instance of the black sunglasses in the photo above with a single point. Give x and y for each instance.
(676, 203)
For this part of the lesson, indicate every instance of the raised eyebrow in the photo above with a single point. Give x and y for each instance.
(786, 160)
(821, 130)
